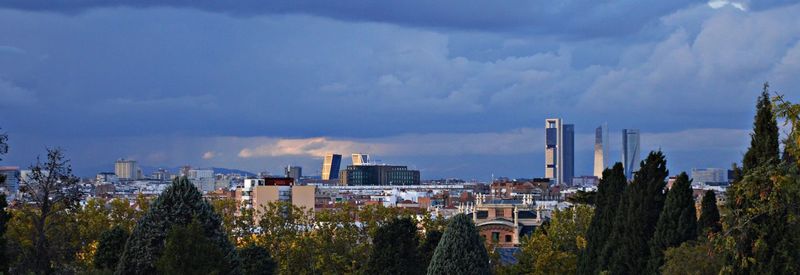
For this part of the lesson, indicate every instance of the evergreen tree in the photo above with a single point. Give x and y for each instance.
(628, 247)
(461, 250)
(764, 148)
(256, 260)
(607, 200)
(110, 248)
(428, 247)
(5, 216)
(709, 215)
(394, 249)
(178, 205)
(189, 251)
(677, 223)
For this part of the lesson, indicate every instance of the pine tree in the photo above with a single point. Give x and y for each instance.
(676, 224)
(461, 250)
(256, 260)
(607, 200)
(764, 144)
(189, 251)
(178, 205)
(110, 248)
(709, 215)
(628, 247)
(394, 249)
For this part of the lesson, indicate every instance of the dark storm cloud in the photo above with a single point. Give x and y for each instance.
(574, 18)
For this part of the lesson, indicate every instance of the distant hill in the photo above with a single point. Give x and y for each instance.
(147, 170)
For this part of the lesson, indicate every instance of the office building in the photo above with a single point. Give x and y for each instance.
(330, 166)
(600, 150)
(709, 176)
(11, 185)
(126, 169)
(203, 179)
(370, 174)
(559, 151)
(295, 172)
(630, 151)
(258, 193)
(359, 159)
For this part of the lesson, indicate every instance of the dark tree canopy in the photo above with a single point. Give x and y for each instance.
(428, 247)
(110, 247)
(607, 199)
(178, 205)
(628, 247)
(709, 215)
(189, 251)
(764, 143)
(461, 250)
(677, 223)
(4, 218)
(394, 249)
(256, 260)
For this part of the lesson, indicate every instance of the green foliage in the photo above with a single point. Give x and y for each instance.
(764, 146)
(609, 192)
(698, 258)
(583, 197)
(256, 260)
(791, 113)
(5, 216)
(110, 248)
(428, 247)
(189, 251)
(394, 249)
(709, 215)
(461, 250)
(677, 223)
(554, 248)
(178, 205)
(628, 248)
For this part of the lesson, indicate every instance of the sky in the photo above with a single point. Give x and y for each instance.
(451, 88)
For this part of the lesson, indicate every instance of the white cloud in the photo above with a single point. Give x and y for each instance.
(209, 155)
(12, 95)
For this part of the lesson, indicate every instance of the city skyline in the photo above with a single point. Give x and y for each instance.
(452, 92)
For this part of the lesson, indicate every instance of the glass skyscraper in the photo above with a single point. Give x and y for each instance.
(330, 166)
(630, 151)
(559, 151)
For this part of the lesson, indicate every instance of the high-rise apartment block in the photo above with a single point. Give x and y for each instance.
(126, 169)
(330, 166)
(600, 150)
(630, 151)
(294, 172)
(559, 151)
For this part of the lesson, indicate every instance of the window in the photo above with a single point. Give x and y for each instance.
(498, 212)
(496, 236)
(508, 238)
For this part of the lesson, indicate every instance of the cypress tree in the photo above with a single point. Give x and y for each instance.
(607, 200)
(677, 223)
(428, 247)
(394, 249)
(4, 218)
(764, 144)
(110, 248)
(709, 215)
(461, 250)
(628, 247)
(178, 205)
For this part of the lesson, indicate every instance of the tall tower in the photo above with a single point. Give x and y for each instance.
(553, 151)
(330, 166)
(126, 169)
(568, 164)
(600, 150)
(360, 159)
(630, 151)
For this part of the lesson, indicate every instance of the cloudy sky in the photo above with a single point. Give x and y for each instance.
(453, 88)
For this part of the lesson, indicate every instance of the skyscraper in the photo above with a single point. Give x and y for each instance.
(569, 153)
(360, 159)
(126, 169)
(559, 155)
(330, 166)
(295, 172)
(600, 150)
(630, 151)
